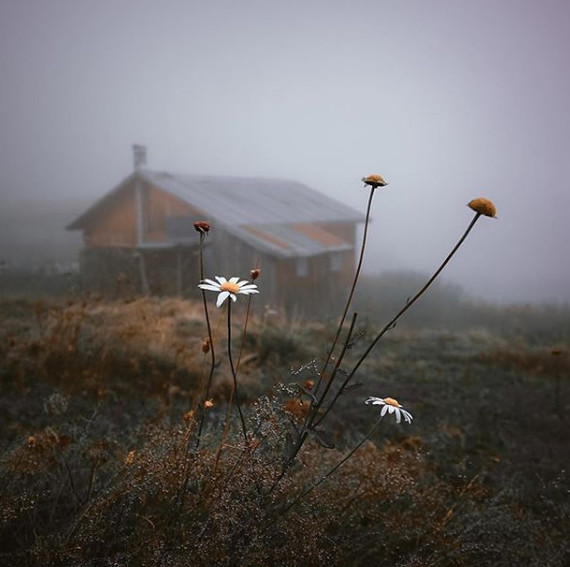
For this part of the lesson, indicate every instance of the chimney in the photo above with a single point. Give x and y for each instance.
(139, 156)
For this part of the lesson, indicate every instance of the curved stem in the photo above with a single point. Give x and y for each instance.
(352, 288)
(314, 407)
(409, 303)
(333, 374)
(212, 352)
(234, 375)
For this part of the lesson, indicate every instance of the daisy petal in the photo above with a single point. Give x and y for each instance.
(222, 297)
(398, 415)
(234, 280)
(384, 410)
(248, 287)
(234, 298)
(221, 279)
(209, 287)
(211, 282)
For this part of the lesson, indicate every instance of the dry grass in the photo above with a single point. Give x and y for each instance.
(98, 466)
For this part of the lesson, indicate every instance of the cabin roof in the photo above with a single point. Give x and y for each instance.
(236, 201)
(277, 216)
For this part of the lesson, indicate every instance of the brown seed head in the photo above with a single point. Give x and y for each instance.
(202, 226)
(254, 274)
(188, 416)
(374, 180)
(209, 404)
(483, 207)
(206, 345)
(308, 384)
(31, 441)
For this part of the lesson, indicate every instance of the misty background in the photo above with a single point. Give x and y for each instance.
(448, 100)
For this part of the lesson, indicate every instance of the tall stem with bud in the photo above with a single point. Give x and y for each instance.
(203, 227)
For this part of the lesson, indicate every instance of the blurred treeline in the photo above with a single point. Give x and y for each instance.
(446, 305)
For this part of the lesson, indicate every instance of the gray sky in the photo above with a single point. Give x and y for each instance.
(448, 99)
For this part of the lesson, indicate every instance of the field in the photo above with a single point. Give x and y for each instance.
(100, 412)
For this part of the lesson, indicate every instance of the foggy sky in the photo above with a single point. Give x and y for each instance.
(448, 99)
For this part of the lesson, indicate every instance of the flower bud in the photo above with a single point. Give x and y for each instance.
(202, 226)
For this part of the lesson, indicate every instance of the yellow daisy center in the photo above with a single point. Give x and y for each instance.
(392, 402)
(229, 286)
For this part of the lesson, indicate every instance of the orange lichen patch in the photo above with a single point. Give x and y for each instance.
(483, 207)
(319, 234)
(268, 237)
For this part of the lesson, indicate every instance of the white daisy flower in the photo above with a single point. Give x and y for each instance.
(391, 406)
(228, 288)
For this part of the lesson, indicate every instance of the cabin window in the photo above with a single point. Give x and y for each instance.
(335, 260)
(302, 267)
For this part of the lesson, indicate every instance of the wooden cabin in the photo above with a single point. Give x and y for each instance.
(139, 237)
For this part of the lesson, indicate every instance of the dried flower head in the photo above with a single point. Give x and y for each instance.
(374, 180)
(31, 441)
(206, 345)
(202, 226)
(390, 405)
(254, 274)
(228, 288)
(188, 416)
(208, 404)
(483, 207)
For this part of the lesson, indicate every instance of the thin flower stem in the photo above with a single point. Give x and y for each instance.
(243, 335)
(320, 400)
(212, 352)
(352, 288)
(310, 419)
(334, 469)
(234, 375)
(410, 302)
(333, 374)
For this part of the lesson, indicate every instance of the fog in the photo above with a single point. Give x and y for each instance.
(448, 100)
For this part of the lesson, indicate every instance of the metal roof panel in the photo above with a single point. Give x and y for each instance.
(236, 201)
